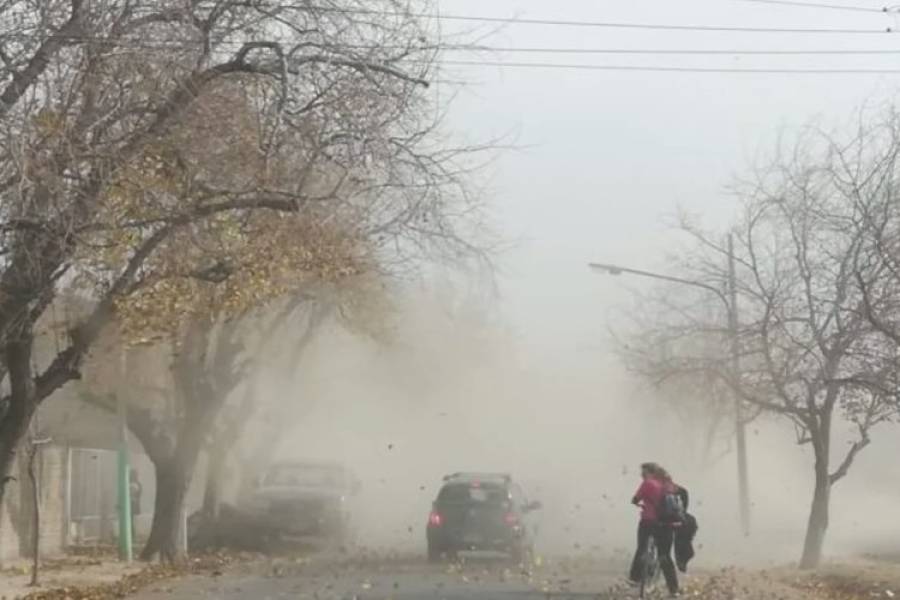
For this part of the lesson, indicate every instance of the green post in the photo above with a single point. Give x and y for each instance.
(124, 506)
(124, 485)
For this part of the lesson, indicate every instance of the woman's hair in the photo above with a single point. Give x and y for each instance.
(657, 472)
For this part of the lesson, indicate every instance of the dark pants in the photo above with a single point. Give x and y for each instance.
(135, 511)
(663, 536)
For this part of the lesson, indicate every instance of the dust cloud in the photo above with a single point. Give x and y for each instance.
(454, 390)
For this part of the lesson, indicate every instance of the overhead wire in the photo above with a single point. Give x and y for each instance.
(164, 45)
(596, 24)
(697, 51)
(673, 69)
(182, 44)
(845, 7)
(441, 16)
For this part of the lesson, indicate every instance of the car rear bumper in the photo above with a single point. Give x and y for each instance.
(454, 541)
(302, 524)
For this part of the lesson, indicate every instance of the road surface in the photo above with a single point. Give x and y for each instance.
(399, 578)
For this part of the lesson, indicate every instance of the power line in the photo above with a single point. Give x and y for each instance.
(599, 24)
(183, 45)
(697, 51)
(845, 7)
(168, 46)
(668, 69)
(163, 45)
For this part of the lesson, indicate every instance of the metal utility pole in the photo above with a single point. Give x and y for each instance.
(731, 308)
(123, 483)
(739, 425)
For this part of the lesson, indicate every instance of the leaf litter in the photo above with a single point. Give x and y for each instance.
(212, 565)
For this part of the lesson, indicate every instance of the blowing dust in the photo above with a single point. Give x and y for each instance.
(455, 391)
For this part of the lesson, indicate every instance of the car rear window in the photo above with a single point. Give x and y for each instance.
(466, 493)
(303, 475)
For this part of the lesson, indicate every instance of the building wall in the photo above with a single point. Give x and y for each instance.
(73, 423)
(9, 539)
(16, 515)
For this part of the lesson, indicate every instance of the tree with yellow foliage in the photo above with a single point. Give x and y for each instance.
(170, 160)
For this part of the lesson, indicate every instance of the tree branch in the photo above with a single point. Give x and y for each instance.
(66, 365)
(845, 465)
(39, 62)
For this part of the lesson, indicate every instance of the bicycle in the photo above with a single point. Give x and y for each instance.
(650, 570)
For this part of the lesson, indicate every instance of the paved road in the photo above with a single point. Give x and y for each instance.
(400, 579)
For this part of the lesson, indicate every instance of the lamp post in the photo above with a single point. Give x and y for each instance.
(730, 302)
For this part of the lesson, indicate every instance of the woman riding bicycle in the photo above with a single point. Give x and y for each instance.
(655, 487)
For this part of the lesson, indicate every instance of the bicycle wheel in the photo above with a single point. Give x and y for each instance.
(650, 572)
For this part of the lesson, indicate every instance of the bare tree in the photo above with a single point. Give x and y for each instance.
(210, 359)
(290, 330)
(672, 334)
(866, 167)
(809, 355)
(234, 416)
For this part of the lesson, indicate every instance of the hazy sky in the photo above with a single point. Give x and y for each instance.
(607, 156)
(605, 159)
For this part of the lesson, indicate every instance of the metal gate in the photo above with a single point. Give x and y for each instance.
(92, 495)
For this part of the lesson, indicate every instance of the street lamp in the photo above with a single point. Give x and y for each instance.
(730, 303)
(619, 270)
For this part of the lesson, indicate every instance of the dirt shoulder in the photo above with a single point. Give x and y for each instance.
(57, 573)
(99, 579)
(79, 578)
(855, 580)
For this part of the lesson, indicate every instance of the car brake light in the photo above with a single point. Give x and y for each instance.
(435, 519)
(511, 519)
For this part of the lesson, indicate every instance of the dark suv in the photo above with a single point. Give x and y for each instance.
(481, 512)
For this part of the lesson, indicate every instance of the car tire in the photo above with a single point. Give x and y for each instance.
(522, 554)
(434, 554)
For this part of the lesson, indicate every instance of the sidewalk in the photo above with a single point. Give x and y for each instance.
(104, 577)
(850, 580)
(63, 573)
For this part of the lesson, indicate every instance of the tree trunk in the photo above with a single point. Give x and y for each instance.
(212, 495)
(215, 475)
(818, 524)
(35, 517)
(173, 478)
(17, 418)
(174, 470)
(818, 514)
(168, 506)
(23, 507)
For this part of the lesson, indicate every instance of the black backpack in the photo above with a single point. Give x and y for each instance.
(671, 507)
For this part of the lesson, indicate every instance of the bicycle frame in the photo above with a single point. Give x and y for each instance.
(650, 569)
